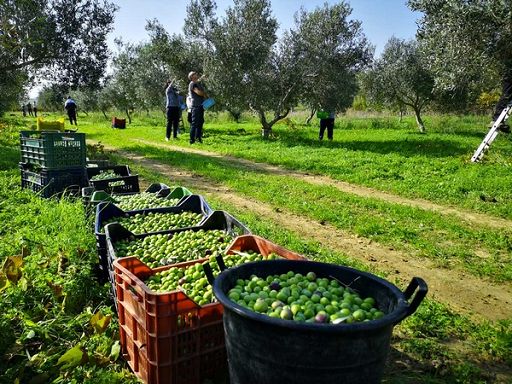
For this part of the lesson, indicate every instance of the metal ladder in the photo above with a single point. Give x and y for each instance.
(493, 132)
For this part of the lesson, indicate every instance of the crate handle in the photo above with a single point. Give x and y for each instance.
(134, 292)
(419, 288)
(220, 262)
(208, 272)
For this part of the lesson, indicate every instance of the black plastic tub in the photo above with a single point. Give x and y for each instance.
(266, 350)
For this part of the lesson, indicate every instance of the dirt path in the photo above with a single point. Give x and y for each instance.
(463, 292)
(465, 215)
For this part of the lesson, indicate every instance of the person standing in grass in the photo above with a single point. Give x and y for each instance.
(197, 94)
(29, 109)
(327, 123)
(173, 110)
(70, 107)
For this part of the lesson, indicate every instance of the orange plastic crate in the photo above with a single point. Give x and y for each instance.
(166, 337)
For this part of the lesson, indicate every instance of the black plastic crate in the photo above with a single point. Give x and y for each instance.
(48, 182)
(106, 211)
(125, 183)
(222, 220)
(53, 150)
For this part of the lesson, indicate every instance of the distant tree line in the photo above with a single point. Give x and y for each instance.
(323, 62)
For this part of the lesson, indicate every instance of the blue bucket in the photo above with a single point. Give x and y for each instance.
(208, 103)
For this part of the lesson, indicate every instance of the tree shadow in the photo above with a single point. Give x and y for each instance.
(407, 147)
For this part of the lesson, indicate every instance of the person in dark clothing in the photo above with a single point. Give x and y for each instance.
(197, 94)
(173, 110)
(70, 106)
(24, 110)
(327, 123)
(506, 97)
(29, 109)
(35, 110)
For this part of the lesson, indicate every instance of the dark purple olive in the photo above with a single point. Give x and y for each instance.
(321, 317)
(275, 285)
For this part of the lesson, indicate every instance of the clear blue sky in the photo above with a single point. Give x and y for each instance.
(381, 18)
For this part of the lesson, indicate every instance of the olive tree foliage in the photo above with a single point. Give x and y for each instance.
(176, 55)
(332, 49)
(62, 41)
(51, 98)
(246, 68)
(466, 42)
(399, 78)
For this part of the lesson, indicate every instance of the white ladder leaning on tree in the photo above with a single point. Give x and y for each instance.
(493, 132)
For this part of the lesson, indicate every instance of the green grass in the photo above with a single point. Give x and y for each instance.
(48, 302)
(445, 239)
(375, 152)
(433, 346)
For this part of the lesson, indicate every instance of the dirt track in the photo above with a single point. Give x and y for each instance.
(462, 291)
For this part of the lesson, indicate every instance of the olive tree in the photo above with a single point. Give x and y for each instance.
(64, 41)
(400, 77)
(466, 42)
(332, 49)
(247, 69)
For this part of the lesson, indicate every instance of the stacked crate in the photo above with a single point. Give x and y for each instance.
(52, 162)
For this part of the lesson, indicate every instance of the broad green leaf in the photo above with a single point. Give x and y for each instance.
(115, 351)
(73, 357)
(100, 322)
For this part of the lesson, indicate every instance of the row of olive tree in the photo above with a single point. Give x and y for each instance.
(247, 66)
(463, 50)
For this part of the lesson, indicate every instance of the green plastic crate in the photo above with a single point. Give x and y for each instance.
(53, 150)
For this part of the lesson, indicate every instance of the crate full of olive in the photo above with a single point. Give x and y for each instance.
(192, 279)
(155, 221)
(178, 245)
(142, 200)
(304, 298)
(165, 249)
(105, 176)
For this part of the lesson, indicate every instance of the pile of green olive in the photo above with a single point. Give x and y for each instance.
(188, 245)
(143, 200)
(192, 279)
(105, 176)
(304, 298)
(156, 221)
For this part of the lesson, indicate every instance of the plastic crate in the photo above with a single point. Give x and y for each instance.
(48, 182)
(166, 337)
(91, 198)
(53, 150)
(125, 183)
(55, 125)
(106, 211)
(217, 220)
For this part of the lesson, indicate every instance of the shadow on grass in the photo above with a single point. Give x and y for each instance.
(9, 158)
(407, 147)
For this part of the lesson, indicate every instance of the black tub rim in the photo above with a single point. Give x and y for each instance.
(402, 310)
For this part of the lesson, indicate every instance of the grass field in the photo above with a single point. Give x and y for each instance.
(438, 344)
